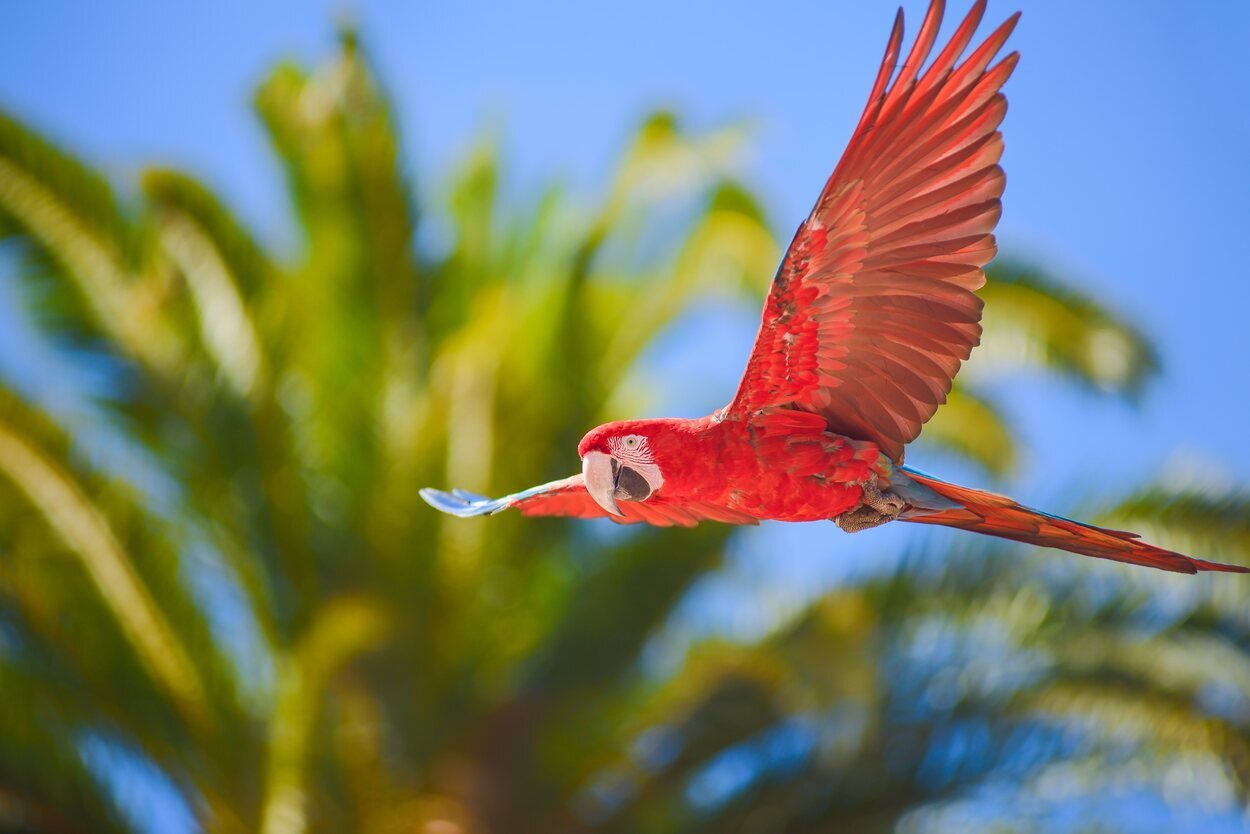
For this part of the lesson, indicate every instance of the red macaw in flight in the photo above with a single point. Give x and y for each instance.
(869, 317)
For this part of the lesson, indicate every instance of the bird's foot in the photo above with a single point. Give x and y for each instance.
(875, 509)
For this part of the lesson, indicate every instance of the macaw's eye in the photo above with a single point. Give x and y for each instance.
(631, 442)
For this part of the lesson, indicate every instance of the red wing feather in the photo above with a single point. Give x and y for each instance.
(873, 308)
(570, 498)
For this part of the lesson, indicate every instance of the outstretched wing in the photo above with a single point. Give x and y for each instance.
(873, 308)
(570, 498)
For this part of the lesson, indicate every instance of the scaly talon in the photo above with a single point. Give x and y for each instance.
(876, 508)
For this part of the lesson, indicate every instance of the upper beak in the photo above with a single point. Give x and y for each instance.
(600, 476)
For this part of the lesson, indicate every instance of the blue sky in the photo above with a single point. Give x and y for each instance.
(1126, 159)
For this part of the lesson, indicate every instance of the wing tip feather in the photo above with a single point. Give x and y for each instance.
(462, 504)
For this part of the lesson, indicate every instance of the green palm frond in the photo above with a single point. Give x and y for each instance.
(184, 198)
(104, 277)
(1032, 319)
(85, 530)
(44, 781)
(972, 426)
(222, 268)
(344, 629)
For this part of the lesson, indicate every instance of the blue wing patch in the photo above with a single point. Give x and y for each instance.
(465, 504)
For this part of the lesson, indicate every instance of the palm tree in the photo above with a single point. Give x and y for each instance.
(974, 679)
(222, 577)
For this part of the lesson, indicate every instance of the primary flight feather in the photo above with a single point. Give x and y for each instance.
(867, 322)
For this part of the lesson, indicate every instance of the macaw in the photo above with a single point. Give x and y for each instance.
(869, 317)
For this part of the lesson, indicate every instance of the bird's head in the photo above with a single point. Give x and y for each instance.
(619, 462)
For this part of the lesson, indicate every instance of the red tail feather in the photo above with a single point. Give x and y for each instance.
(997, 515)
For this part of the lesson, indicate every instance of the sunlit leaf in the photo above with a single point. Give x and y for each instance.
(1032, 319)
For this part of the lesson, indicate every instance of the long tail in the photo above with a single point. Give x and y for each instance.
(997, 515)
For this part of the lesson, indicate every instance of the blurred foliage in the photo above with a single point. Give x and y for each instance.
(247, 597)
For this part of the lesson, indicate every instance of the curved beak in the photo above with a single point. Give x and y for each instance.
(599, 472)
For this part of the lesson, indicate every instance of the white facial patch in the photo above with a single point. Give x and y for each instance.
(634, 451)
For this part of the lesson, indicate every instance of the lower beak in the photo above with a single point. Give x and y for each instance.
(597, 472)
